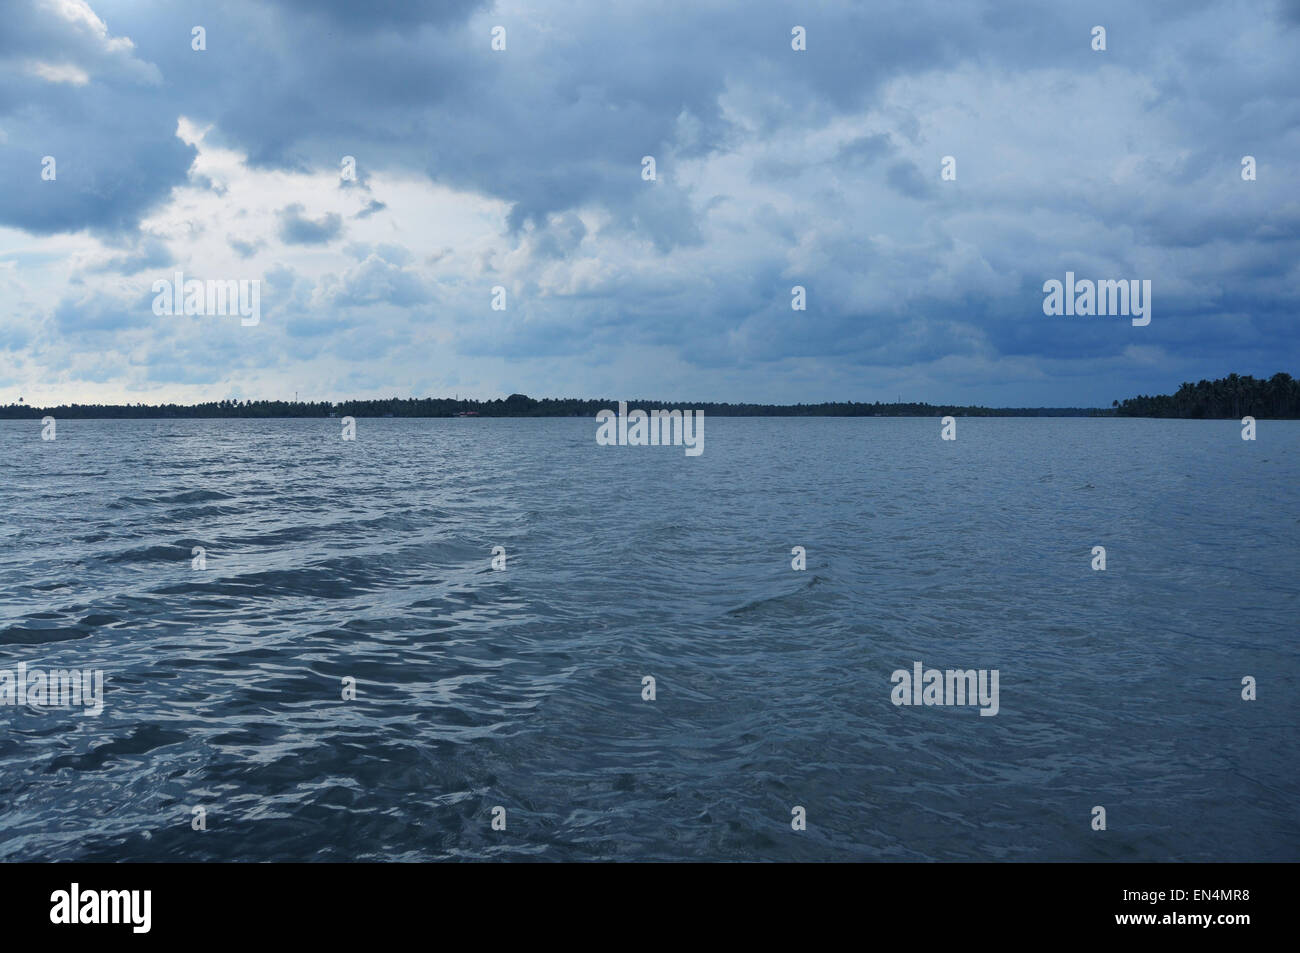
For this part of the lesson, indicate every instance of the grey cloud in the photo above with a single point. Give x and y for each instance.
(865, 149)
(296, 229)
(150, 252)
(906, 179)
(244, 249)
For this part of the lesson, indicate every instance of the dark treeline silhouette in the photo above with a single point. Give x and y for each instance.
(518, 405)
(1231, 397)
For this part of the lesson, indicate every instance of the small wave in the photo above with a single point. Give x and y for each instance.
(150, 554)
(41, 635)
(141, 741)
(768, 601)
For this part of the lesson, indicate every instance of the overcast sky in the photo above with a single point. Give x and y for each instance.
(523, 168)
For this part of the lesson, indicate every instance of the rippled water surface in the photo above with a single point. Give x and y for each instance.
(371, 559)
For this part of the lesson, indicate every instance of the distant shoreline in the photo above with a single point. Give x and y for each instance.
(253, 412)
(1231, 398)
(1027, 414)
(286, 410)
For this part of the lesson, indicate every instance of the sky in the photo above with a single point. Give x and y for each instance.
(522, 169)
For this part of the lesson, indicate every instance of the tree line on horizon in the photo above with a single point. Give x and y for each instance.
(520, 405)
(1231, 397)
